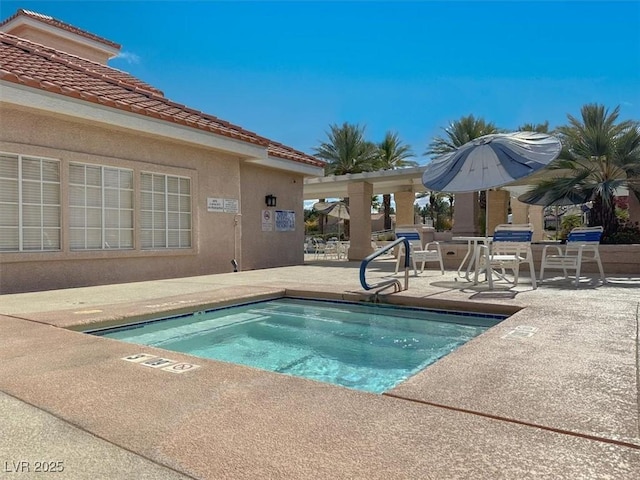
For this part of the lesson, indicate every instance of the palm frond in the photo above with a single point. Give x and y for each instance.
(600, 155)
(393, 154)
(460, 132)
(346, 150)
(535, 127)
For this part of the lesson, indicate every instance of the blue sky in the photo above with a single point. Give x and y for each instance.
(288, 70)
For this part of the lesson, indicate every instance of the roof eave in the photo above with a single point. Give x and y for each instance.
(304, 169)
(38, 99)
(383, 181)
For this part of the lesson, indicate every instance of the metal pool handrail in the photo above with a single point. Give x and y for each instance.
(387, 283)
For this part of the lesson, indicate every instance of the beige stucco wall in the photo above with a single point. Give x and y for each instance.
(81, 47)
(213, 174)
(466, 213)
(265, 249)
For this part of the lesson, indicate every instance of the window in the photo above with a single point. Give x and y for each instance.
(100, 207)
(29, 203)
(165, 213)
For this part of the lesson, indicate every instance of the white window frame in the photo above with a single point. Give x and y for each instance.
(49, 223)
(123, 210)
(161, 226)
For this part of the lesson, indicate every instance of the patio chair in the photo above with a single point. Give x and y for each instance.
(430, 253)
(581, 247)
(507, 250)
(343, 250)
(319, 248)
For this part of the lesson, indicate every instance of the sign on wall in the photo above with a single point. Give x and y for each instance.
(215, 204)
(230, 205)
(223, 205)
(285, 220)
(267, 220)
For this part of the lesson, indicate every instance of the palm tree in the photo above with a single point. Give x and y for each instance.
(438, 209)
(535, 127)
(346, 150)
(375, 203)
(600, 156)
(392, 154)
(458, 133)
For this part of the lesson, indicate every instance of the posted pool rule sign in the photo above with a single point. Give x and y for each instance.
(267, 220)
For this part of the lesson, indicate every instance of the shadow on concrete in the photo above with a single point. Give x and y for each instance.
(501, 294)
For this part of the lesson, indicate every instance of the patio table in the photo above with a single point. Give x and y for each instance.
(471, 257)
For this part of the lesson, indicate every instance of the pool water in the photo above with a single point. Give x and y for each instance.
(365, 347)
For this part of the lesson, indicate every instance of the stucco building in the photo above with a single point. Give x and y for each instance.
(105, 180)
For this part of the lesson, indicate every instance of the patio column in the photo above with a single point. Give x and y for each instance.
(524, 213)
(498, 201)
(519, 211)
(536, 218)
(465, 214)
(404, 208)
(360, 194)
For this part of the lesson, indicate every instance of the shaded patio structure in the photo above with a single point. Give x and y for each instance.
(404, 184)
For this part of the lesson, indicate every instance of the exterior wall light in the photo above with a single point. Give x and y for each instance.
(270, 200)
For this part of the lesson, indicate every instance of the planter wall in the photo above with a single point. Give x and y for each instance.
(616, 259)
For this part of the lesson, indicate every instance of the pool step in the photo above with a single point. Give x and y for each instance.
(385, 352)
(402, 315)
(380, 325)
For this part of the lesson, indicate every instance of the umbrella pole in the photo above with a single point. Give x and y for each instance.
(487, 270)
(486, 214)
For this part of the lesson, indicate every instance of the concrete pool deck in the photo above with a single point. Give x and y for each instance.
(551, 392)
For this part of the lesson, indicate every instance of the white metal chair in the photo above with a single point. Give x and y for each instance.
(331, 250)
(430, 253)
(343, 250)
(581, 247)
(510, 247)
(319, 248)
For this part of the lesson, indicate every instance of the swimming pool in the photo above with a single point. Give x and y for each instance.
(365, 347)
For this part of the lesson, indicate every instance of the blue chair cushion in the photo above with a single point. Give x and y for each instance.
(512, 236)
(411, 236)
(589, 236)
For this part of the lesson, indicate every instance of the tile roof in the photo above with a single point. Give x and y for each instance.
(37, 66)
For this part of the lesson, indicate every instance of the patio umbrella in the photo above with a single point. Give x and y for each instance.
(333, 209)
(548, 199)
(491, 161)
